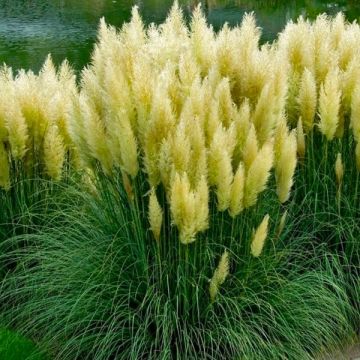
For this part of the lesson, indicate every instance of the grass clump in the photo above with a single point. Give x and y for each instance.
(100, 287)
(209, 201)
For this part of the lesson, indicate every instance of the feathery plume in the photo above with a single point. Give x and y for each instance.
(339, 169)
(161, 123)
(263, 117)
(96, 136)
(259, 237)
(237, 192)
(285, 161)
(181, 149)
(198, 167)
(300, 137)
(155, 215)
(349, 85)
(219, 276)
(298, 40)
(307, 99)
(292, 101)
(54, 153)
(202, 205)
(258, 174)
(129, 149)
(251, 147)
(202, 40)
(242, 125)
(17, 130)
(329, 104)
(188, 208)
(226, 107)
(325, 54)
(220, 168)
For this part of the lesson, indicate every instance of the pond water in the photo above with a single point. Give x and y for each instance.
(30, 29)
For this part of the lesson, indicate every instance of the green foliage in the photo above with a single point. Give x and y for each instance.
(96, 285)
(15, 347)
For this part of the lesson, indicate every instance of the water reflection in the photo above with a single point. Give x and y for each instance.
(30, 29)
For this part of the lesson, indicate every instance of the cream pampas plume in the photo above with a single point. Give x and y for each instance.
(242, 125)
(155, 215)
(300, 137)
(280, 67)
(285, 161)
(202, 40)
(339, 170)
(13, 126)
(298, 41)
(338, 29)
(161, 122)
(212, 122)
(226, 105)
(263, 117)
(349, 85)
(95, 132)
(220, 275)
(251, 147)
(325, 56)
(292, 99)
(54, 153)
(165, 162)
(17, 130)
(77, 124)
(198, 164)
(329, 104)
(258, 174)
(180, 149)
(259, 237)
(225, 52)
(202, 205)
(129, 150)
(66, 92)
(307, 99)
(189, 208)
(220, 167)
(237, 192)
(188, 77)
(118, 119)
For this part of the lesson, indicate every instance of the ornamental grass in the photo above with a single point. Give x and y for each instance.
(193, 196)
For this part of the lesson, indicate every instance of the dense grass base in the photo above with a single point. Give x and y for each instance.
(89, 286)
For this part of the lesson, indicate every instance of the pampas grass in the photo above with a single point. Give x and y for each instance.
(178, 221)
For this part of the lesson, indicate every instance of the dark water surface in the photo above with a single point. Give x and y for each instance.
(30, 29)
